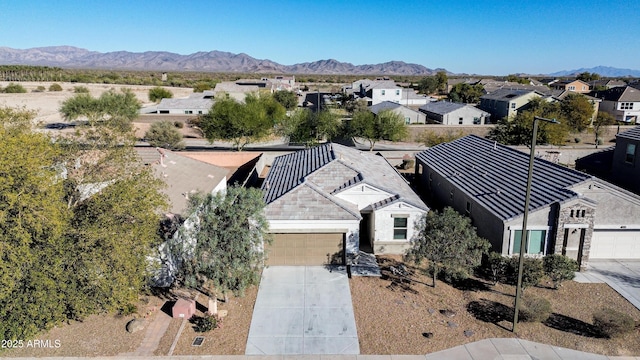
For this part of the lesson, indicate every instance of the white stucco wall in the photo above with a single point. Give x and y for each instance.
(382, 219)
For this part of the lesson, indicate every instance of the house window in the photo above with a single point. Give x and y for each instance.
(397, 92)
(451, 195)
(460, 121)
(626, 106)
(476, 121)
(400, 228)
(407, 120)
(382, 92)
(572, 88)
(537, 242)
(468, 210)
(188, 112)
(200, 112)
(513, 105)
(630, 154)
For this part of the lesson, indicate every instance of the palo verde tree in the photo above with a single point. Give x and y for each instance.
(466, 93)
(288, 99)
(449, 242)
(164, 134)
(242, 123)
(229, 233)
(386, 125)
(158, 93)
(309, 127)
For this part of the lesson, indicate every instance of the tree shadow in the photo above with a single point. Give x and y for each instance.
(490, 312)
(573, 326)
(471, 284)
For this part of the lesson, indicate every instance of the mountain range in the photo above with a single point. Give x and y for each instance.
(603, 71)
(212, 61)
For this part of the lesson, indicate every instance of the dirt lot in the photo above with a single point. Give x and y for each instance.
(394, 318)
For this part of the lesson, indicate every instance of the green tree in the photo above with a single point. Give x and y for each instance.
(431, 138)
(517, 79)
(158, 93)
(577, 112)
(517, 131)
(164, 134)
(14, 88)
(386, 125)
(80, 89)
(442, 80)
(55, 87)
(309, 127)
(559, 268)
(603, 119)
(356, 105)
(587, 76)
(428, 85)
(230, 233)
(288, 99)
(466, 93)
(448, 241)
(241, 123)
(202, 86)
(532, 271)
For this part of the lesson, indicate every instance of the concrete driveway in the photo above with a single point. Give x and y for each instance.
(622, 275)
(303, 310)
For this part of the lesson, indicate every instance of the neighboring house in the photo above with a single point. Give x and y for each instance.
(622, 102)
(491, 86)
(571, 213)
(606, 83)
(505, 103)
(578, 86)
(411, 98)
(375, 91)
(196, 103)
(450, 113)
(331, 198)
(409, 115)
(451, 82)
(184, 176)
(625, 165)
(231, 89)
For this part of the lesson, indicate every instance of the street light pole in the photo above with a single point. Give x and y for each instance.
(525, 236)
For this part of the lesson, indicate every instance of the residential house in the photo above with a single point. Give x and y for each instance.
(570, 213)
(411, 98)
(233, 90)
(559, 95)
(196, 103)
(450, 113)
(327, 202)
(409, 115)
(380, 90)
(492, 85)
(505, 103)
(622, 102)
(625, 164)
(578, 86)
(606, 83)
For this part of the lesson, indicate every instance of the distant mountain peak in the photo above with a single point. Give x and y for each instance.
(206, 61)
(603, 71)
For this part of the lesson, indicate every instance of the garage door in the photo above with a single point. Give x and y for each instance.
(305, 249)
(615, 244)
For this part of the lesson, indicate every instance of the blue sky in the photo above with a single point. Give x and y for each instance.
(482, 37)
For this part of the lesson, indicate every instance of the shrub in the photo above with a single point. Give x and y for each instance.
(494, 266)
(612, 323)
(14, 89)
(158, 93)
(204, 323)
(55, 87)
(532, 271)
(178, 124)
(80, 89)
(431, 138)
(599, 141)
(165, 135)
(577, 140)
(559, 268)
(39, 89)
(535, 309)
(128, 309)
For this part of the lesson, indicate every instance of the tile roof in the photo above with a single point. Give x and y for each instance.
(383, 106)
(328, 170)
(506, 94)
(188, 103)
(442, 107)
(633, 134)
(496, 175)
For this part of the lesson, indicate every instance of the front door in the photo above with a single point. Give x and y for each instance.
(573, 241)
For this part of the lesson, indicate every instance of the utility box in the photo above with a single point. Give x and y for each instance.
(184, 308)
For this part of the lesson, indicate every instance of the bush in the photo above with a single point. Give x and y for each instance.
(178, 124)
(128, 309)
(532, 271)
(599, 141)
(430, 138)
(204, 323)
(55, 87)
(158, 93)
(165, 135)
(535, 309)
(14, 89)
(559, 268)
(494, 266)
(80, 89)
(39, 89)
(613, 323)
(577, 140)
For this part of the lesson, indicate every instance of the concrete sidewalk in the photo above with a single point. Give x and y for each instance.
(488, 349)
(622, 275)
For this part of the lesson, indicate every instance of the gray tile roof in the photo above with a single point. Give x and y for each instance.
(305, 183)
(633, 134)
(441, 107)
(506, 94)
(383, 106)
(188, 103)
(496, 175)
(620, 93)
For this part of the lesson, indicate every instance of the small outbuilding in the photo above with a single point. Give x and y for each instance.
(183, 308)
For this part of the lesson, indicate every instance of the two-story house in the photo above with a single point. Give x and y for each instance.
(578, 86)
(505, 103)
(622, 102)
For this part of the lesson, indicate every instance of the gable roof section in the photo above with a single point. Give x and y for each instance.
(507, 94)
(620, 93)
(442, 107)
(385, 105)
(496, 175)
(188, 103)
(633, 134)
(328, 170)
